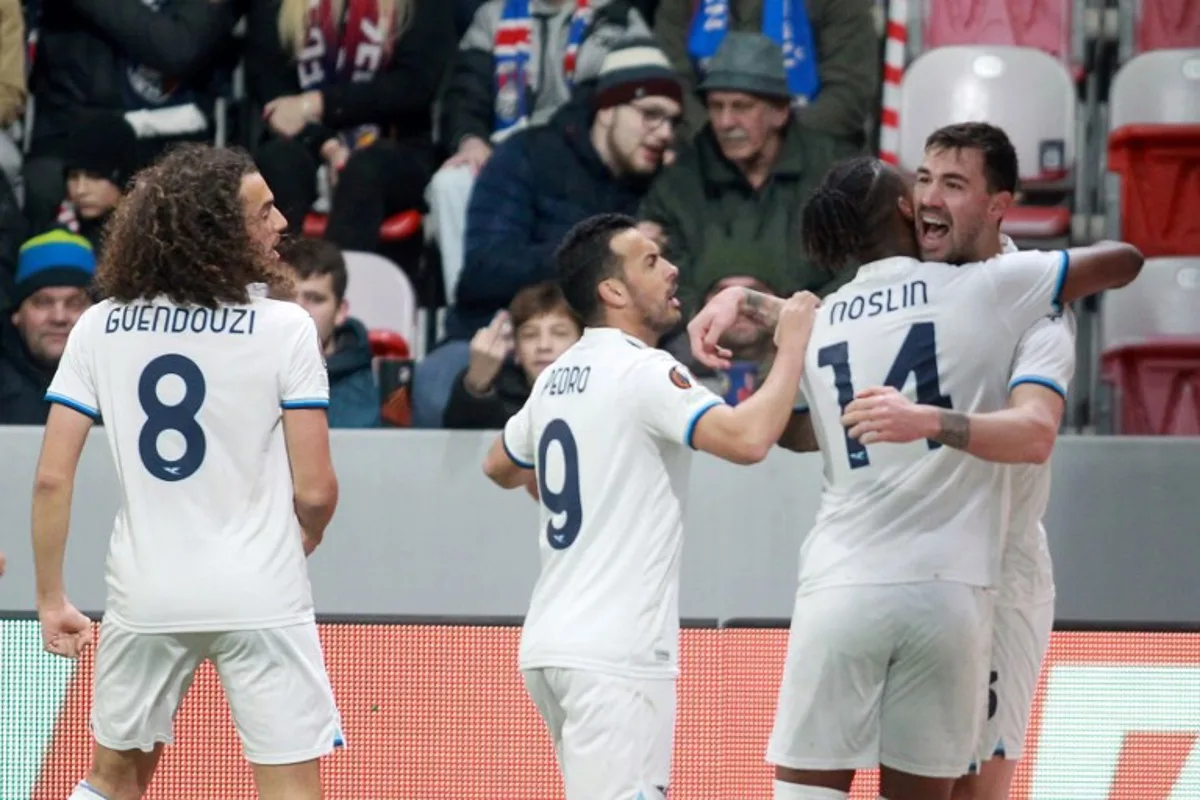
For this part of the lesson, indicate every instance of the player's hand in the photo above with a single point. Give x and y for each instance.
(796, 320)
(882, 414)
(531, 486)
(489, 347)
(709, 325)
(65, 631)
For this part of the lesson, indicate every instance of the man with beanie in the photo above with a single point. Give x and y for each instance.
(731, 204)
(598, 154)
(54, 272)
(99, 157)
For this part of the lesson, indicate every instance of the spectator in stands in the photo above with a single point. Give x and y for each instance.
(12, 89)
(50, 294)
(99, 157)
(155, 62)
(597, 154)
(320, 286)
(508, 355)
(731, 204)
(516, 65)
(348, 85)
(834, 65)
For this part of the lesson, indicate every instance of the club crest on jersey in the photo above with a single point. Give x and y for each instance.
(679, 378)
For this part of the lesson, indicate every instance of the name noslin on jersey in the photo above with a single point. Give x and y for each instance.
(880, 301)
(161, 319)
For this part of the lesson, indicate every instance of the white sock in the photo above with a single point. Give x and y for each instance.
(84, 791)
(800, 791)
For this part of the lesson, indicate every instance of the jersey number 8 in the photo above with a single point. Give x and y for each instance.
(180, 417)
(917, 357)
(565, 501)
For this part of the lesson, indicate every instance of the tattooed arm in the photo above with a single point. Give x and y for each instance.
(761, 308)
(1023, 433)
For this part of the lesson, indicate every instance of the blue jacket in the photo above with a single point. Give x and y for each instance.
(353, 394)
(538, 183)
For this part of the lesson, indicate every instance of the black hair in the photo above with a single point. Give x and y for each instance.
(585, 258)
(999, 156)
(851, 214)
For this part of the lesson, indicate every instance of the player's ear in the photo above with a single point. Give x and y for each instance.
(612, 292)
(906, 208)
(999, 203)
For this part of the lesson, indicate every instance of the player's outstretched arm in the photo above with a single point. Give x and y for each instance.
(314, 482)
(1098, 267)
(745, 434)
(719, 315)
(65, 631)
(1023, 433)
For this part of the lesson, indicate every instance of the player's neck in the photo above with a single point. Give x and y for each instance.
(636, 329)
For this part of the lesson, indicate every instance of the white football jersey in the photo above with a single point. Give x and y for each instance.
(207, 537)
(1045, 356)
(608, 428)
(943, 335)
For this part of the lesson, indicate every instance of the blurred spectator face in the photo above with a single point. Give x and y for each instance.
(316, 294)
(652, 281)
(743, 335)
(954, 207)
(92, 195)
(46, 317)
(745, 124)
(543, 338)
(264, 222)
(638, 135)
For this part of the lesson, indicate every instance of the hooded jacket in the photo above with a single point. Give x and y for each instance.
(353, 394)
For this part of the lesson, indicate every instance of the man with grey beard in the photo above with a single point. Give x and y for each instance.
(730, 205)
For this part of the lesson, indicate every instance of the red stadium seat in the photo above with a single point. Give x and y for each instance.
(1159, 168)
(1037, 222)
(1156, 385)
(1165, 24)
(395, 228)
(1040, 24)
(388, 344)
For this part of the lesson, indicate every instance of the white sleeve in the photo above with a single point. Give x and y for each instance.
(305, 381)
(1028, 285)
(669, 400)
(1046, 354)
(518, 438)
(74, 384)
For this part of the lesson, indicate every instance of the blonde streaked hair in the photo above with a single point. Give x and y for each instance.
(394, 16)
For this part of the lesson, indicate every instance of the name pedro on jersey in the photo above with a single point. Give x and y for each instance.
(566, 380)
(161, 319)
(880, 301)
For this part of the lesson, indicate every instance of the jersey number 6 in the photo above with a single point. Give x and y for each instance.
(565, 501)
(180, 417)
(917, 357)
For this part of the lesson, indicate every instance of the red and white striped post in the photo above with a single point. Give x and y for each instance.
(894, 56)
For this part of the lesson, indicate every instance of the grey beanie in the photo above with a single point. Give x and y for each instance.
(747, 62)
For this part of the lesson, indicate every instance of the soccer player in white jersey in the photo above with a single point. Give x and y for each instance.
(963, 187)
(606, 439)
(214, 400)
(888, 654)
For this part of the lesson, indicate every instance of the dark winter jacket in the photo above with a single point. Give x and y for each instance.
(534, 188)
(353, 393)
(491, 411)
(23, 382)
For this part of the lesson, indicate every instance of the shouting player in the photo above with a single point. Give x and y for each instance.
(606, 434)
(214, 400)
(887, 656)
(963, 188)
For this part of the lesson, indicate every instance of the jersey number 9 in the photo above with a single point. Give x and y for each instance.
(180, 418)
(565, 501)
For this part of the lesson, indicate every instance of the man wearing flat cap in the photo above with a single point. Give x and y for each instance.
(731, 204)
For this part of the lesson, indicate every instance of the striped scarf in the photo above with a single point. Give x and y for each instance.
(512, 52)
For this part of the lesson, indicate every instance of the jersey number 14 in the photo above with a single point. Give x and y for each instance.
(917, 357)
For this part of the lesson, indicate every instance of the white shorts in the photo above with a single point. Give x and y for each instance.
(274, 679)
(613, 735)
(1020, 637)
(892, 675)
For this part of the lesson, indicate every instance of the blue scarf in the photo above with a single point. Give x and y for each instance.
(783, 21)
(512, 51)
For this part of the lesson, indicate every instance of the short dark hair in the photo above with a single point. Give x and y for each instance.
(315, 258)
(541, 298)
(849, 214)
(585, 258)
(999, 156)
